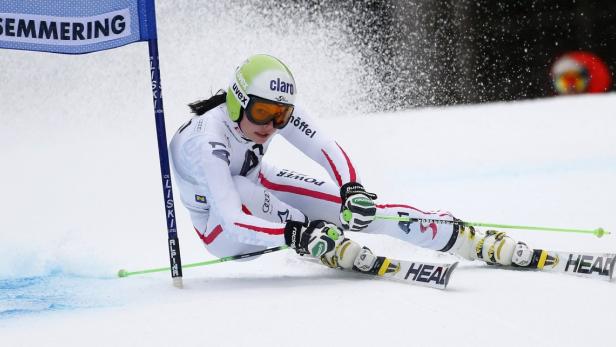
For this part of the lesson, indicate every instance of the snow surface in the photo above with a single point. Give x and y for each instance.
(82, 199)
(78, 206)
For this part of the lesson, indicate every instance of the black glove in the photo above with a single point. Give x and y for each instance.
(316, 239)
(358, 209)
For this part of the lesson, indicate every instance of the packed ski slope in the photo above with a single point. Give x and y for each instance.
(81, 204)
(82, 199)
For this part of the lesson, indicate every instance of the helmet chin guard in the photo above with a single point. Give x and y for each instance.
(263, 76)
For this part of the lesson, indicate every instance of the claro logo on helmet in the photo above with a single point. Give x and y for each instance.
(282, 86)
(240, 96)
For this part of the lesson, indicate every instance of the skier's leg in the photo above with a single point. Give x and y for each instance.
(255, 201)
(317, 198)
(437, 236)
(260, 202)
(490, 246)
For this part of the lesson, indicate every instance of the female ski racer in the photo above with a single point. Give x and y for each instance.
(239, 203)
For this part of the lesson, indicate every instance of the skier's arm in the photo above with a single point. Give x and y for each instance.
(303, 133)
(357, 208)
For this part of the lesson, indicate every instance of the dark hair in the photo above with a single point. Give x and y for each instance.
(199, 107)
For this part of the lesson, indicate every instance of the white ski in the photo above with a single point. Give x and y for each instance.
(584, 264)
(434, 275)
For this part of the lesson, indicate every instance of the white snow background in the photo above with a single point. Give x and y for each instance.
(81, 198)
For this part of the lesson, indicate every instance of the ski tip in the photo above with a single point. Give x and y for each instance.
(448, 275)
(122, 273)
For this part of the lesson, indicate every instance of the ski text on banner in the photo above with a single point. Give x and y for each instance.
(74, 27)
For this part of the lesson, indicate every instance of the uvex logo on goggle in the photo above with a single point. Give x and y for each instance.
(281, 86)
(240, 96)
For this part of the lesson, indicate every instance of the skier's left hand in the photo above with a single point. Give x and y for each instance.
(358, 209)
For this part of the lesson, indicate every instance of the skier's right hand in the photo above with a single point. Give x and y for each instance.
(317, 238)
(358, 209)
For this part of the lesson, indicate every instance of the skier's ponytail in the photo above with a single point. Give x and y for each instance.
(200, 107)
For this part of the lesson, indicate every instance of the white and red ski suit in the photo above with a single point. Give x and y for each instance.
(238, 203)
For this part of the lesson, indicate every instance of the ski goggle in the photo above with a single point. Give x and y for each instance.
(262, 111)
(571, 82)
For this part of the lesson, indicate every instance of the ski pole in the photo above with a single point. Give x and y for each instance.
(599, 232)
(125, 273)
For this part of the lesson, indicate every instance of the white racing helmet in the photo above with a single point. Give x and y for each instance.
(265, 87)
